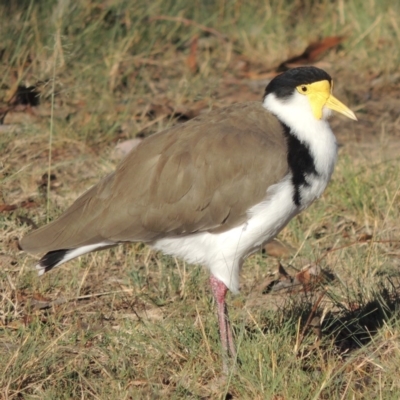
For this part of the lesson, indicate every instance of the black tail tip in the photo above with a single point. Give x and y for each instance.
(50, 260)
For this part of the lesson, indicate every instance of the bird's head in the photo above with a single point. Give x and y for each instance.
(303, 91)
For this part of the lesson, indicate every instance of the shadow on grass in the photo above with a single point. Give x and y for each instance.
(355, 324)
(349, 324)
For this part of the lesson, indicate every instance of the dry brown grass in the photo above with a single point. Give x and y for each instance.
(131, 323)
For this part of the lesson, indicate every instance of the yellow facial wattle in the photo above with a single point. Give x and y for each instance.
(320, 96)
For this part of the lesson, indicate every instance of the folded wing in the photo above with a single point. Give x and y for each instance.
(203, 175)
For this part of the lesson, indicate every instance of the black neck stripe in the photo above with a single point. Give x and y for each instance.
(300, 160)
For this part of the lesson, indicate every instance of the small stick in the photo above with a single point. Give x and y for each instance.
(309, 319)
(352, 244)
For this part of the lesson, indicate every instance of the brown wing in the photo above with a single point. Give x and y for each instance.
(199, 176)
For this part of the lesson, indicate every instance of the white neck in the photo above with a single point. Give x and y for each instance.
(296, 113)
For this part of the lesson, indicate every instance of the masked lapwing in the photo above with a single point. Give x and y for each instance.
(211, 190)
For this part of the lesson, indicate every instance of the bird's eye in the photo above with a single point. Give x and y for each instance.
(304, 88)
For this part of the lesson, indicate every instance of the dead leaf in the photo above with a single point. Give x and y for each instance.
(29, 203)
(303, 281)
(191, 60)
(364, 237)
(311, 53)
(7, 207)
(40, 297)
(308, 277)
(278, 249)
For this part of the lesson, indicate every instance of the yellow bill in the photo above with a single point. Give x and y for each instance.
(320, 96)
(334, 104)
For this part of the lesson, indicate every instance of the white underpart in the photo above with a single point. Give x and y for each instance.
(75, 253)
(224, 253)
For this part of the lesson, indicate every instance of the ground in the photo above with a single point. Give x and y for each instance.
(131, 323)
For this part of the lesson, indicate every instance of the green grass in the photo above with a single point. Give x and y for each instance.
(129, 323)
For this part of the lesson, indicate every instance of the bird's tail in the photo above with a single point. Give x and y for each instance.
(55, 258)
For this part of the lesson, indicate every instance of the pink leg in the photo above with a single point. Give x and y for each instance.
(219, 291)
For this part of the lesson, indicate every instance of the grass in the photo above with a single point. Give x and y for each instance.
(129, 323)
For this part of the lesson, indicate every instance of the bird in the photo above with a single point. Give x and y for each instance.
(212, 190)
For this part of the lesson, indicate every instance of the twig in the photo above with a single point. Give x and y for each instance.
(354, 243)
(47, 304)
(309, 319)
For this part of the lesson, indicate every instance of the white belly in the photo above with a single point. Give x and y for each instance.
(223, 253)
